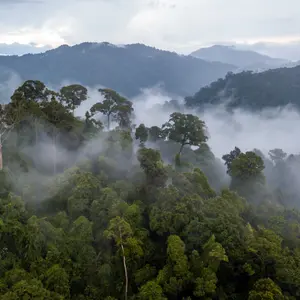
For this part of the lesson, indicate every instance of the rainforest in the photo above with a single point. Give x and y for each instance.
(98, 207)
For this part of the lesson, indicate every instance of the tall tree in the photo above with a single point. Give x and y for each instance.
(247, 165)
(155, 133)
(266, 288)
(32, 90)
(277, 155)
(141, 134)
(115, 107)
(185, 129)
(119, 231)
(8, 121)
(73, 95)
(229, 158)
(27, 102)
(152, 164)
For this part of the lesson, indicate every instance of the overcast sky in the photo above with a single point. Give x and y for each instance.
(180, 25)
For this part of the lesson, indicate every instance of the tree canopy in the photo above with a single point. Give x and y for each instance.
(88, 213)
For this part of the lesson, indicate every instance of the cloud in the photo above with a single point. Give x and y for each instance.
(288, 49)
(9, 81)
(266, 130)
(14, 2)
(175, 25)
(20, 49)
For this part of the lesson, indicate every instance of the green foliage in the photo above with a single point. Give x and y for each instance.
(229, 158)
(152, 165)
(151, 291)
(155, 133)
(251, 90)
(115, 224)
(115, 107)
(73, 95)
(141, 134)
(265, 289)
(185, 130)
(246, 166)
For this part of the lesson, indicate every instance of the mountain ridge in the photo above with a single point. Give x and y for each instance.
(249, 90)
(127, 68)
(242, 58)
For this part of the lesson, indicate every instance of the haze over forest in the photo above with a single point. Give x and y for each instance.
(154, 158)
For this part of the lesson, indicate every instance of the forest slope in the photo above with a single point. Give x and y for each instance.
(272, 88)
(127, 69)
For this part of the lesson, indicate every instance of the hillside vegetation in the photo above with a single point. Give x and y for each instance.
(94, 211)
(127, 69)
(272, 88)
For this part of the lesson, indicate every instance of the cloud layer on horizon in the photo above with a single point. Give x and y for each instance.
(180, 25)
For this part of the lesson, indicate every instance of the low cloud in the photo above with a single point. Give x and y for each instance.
(264, 130)
(9, 81)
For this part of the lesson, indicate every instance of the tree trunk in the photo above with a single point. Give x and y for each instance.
(108, 122)
(181, 148)
(54, 153)
(125, 271)
(1, 158)
(36, 131)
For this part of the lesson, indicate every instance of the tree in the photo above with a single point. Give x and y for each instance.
(185, 129)
(213, 254)
(92, 126)
(26, 102)
(141, 134)
(8, 121)
(120, 231)
(152, 164)
(229, 158)
(32, 91)
(155, 133)
(277, 155)
(60, 122)
(265, 289)
(73, 95)
(57, 280)
(246, 166)
(31, 289)
(175, 275)
(115, 107)
(151, 291)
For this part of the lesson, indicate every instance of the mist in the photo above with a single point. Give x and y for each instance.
(264, 130)
(9, 81)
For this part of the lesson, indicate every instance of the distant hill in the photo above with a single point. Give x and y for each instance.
(289, 51)
(272, 88)
(126, 69)
(243, 59)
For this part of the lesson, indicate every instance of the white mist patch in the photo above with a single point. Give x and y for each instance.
(94, 96)
(265, 130)
(7, 87)
(148, 107)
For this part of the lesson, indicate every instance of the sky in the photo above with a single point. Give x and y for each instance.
(177, 25)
